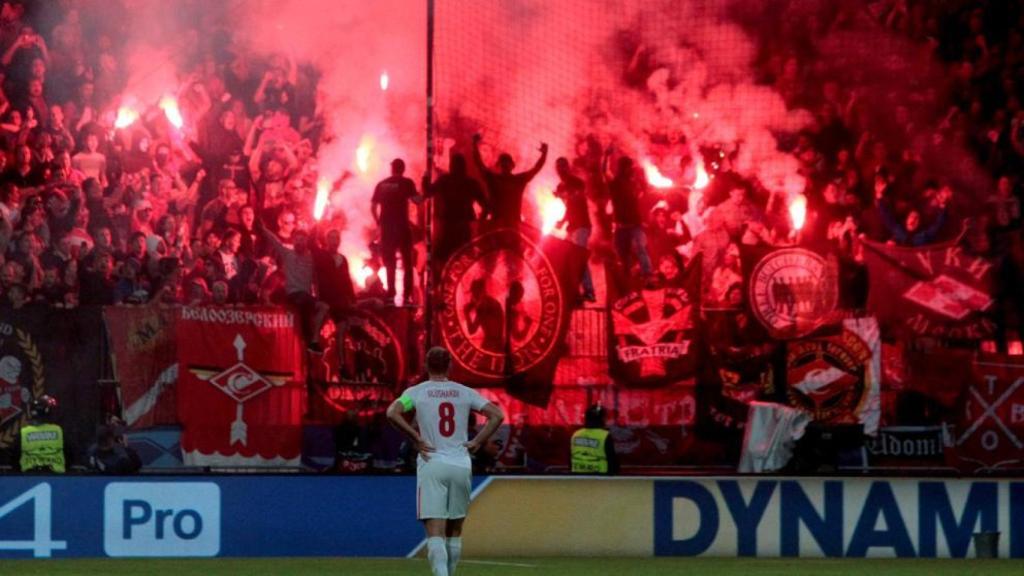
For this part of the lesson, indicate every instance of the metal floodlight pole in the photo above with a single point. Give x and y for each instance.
(427, 280)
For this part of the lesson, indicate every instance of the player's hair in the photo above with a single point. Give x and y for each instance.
(438, 360)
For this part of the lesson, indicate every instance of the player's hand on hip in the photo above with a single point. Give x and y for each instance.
(425, 449)
(472, 446)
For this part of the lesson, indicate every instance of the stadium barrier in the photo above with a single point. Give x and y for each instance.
(261, 516)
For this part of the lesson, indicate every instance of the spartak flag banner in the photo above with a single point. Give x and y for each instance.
(941, 291)
(836, 378)
(654, 331)
(505, 302)
(990, 433)
(145, 356)
(241, 386)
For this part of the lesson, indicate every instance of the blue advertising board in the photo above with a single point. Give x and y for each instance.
(203, 516)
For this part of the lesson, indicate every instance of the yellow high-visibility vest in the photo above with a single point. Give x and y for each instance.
(42, 446)
(588, 451)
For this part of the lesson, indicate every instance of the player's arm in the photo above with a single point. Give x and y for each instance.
(396, 415)
(494, 419)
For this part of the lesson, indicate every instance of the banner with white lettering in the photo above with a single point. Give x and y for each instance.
(990, 435)
(241, 386)
(909, 446)
(942, 291)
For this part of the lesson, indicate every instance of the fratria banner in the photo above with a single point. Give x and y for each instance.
(654, 333)
(990, 434)
(836, 377)
(941, 291)
(145, 362)
(504, 309)
(241, 386)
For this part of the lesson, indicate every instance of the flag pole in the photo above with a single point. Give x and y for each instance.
(427, 278)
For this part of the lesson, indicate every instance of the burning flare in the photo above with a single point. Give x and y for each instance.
(798, 211)
(126, 116)
(654, 176)
(552, 209)
(701, 180)
(323, 191)
(363, 153)
(385, 80)
(361, 272)
(169, 104)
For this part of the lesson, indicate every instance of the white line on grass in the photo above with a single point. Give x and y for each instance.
(495, 563)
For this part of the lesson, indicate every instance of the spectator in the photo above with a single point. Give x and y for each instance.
(390, 205)
(111, 454)
(297, 266)
(455, 196)
(505, 189)
(630, 239)
(571, 190)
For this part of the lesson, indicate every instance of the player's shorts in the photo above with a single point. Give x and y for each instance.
(442, 491)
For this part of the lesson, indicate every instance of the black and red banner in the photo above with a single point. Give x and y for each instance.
(371, 355)
(145, 359)
(505, 302)
(653, 333)
(55, 352)
(241, 386)
(836, 378)
(942, 291)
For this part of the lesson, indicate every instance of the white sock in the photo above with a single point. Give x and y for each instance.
(454, 554)
(437, 555)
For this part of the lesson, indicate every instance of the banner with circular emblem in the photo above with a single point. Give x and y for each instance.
(504, 305)
(791, 291)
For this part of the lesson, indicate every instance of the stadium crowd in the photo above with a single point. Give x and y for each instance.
(97, 211)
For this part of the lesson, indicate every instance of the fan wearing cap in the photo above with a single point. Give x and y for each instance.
(591, 450)
(41, 442)
(665, 231)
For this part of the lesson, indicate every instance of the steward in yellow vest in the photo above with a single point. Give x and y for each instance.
(41, 442)
(591, 450)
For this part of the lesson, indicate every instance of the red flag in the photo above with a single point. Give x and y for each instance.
(941, 291)
(145, 362)
(990, 435)
(241, 386)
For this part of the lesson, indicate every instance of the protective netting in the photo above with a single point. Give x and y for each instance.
(661, 81)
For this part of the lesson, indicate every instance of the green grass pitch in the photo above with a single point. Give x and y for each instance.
(517, 567)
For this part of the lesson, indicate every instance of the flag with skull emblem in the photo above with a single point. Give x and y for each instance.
(241, 387)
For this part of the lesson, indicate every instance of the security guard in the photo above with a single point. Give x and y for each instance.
(591, 450)
(42, 442)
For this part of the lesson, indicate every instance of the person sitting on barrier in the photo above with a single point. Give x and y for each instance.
(591, 449)
(297, 265)
(41, 442)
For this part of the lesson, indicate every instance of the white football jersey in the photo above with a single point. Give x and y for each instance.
(443, 410)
